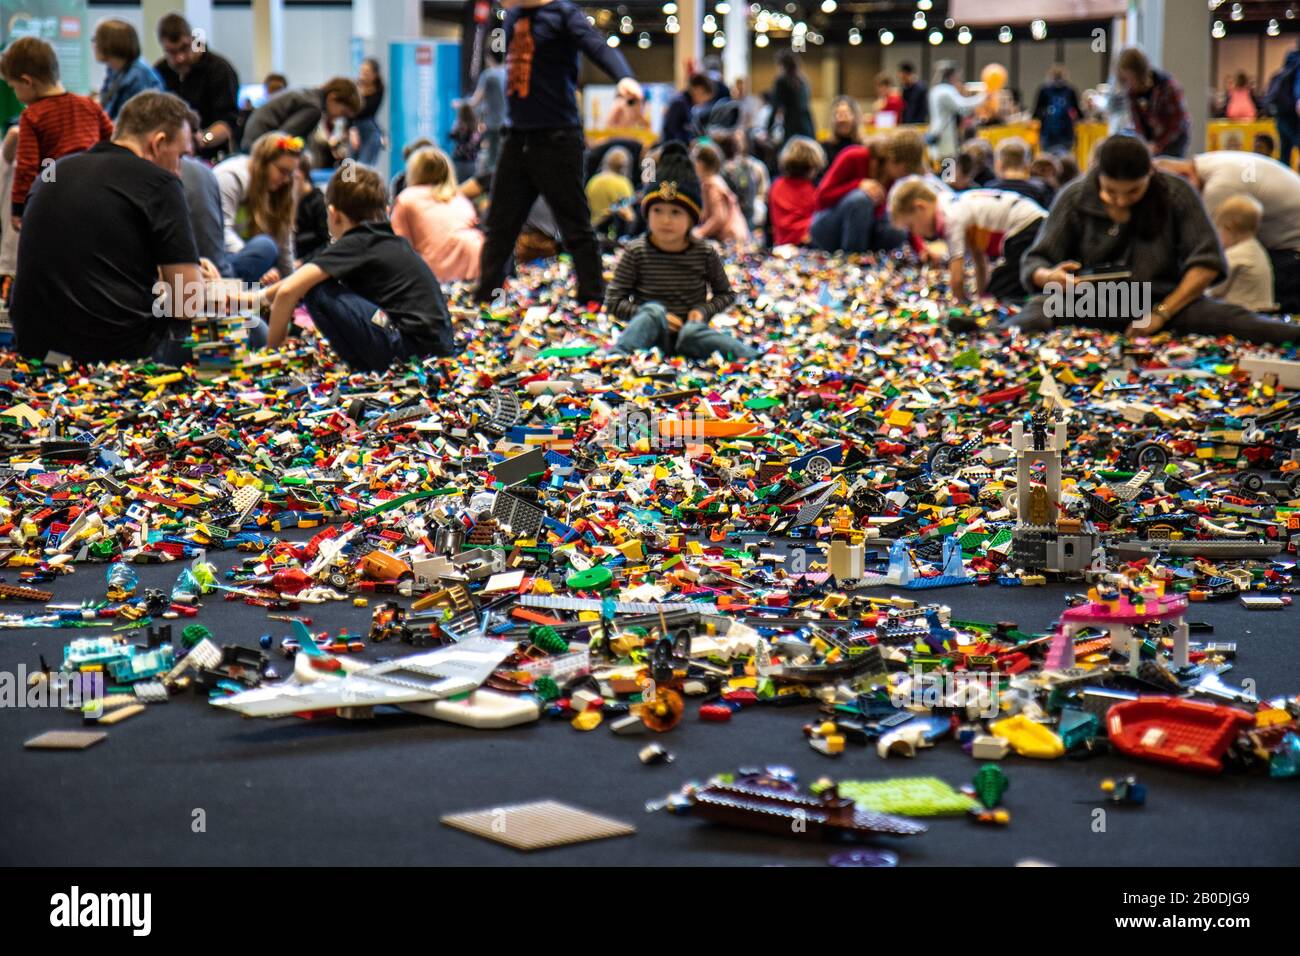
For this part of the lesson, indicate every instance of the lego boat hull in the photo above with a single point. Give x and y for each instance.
(1180, 732)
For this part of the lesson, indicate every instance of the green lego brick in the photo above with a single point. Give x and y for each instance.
(907, 796)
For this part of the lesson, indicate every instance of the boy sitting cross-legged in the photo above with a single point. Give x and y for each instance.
(369, 293)
(668, 283)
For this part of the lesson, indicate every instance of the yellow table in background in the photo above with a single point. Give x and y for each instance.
(646, 137)
(1239, 134)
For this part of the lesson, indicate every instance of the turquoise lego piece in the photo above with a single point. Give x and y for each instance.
(1077, 726)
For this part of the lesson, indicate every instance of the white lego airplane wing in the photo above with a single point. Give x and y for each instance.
(433, 675)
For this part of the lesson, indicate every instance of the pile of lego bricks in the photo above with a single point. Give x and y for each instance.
(540, 482)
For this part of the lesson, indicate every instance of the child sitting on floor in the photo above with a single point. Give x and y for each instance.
(792, 200)
(979, 223)
(663, 280)
(1250, 271)
(440, 222)
(367, 269)
(722, 218)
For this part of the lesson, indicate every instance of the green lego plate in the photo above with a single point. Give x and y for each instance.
(907, 796)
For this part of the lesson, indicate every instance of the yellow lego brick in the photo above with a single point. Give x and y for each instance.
(633, 550)
(899, 418)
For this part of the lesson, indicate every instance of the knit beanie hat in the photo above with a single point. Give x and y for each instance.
(675, 182)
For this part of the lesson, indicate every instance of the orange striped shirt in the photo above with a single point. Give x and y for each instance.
(51, 128)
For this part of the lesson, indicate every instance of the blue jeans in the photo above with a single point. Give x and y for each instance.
(256, 259)
(852, 226)
(1288, 135)
(649, 329)
(347, 322)
(173, 351)
(372, 141)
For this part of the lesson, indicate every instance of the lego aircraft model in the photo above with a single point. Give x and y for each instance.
(322, 682)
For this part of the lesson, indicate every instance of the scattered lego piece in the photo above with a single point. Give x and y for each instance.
(537, 826)
(65, 740)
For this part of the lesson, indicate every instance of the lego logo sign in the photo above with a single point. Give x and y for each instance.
(424, 56)
(69, 28)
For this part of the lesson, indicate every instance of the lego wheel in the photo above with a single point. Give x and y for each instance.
(1150, 454)
(1252, 483)
(819, 468)
(941, 460)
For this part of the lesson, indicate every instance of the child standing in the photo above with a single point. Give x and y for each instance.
(543, 149)
(668, 283)
(55, 124)
(979, 223)
(1250, 271)
(369, 294)
(722, 219)
(793, 197)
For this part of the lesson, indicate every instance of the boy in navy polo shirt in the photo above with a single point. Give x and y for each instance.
(543, 149)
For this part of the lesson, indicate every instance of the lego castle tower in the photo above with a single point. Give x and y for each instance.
(1042, 539)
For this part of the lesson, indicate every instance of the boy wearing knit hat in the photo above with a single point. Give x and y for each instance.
(667, 284)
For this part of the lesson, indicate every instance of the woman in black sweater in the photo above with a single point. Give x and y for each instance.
(1151, 231)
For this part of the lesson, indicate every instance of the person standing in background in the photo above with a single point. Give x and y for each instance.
(889, 102)
(117, 46)
(846, 127)
(947, 107)
(204, 80)
(366, 137)
(1156, 103)
(542, 155)
(467, 135)
(489, 101)
(1281, 100)
(790, 95)
(1241, 100)
(1057, 110)
(916, 96)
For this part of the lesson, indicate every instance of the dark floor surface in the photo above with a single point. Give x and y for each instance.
(332, 792)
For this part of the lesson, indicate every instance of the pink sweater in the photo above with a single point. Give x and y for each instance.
(443, 233)
(723, 219)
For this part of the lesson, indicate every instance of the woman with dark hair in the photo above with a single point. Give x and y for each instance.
(117, 46)
(366, 136)
(790, 95)
(1149, 231)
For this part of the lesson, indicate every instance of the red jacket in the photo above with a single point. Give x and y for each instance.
(851, 166)
(790, 210)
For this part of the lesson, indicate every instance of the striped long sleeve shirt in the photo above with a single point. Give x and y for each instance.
(51, 128)
(679, 281)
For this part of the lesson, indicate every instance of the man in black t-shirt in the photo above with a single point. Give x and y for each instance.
(101, 234)
(369, 293)
(202, 79)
